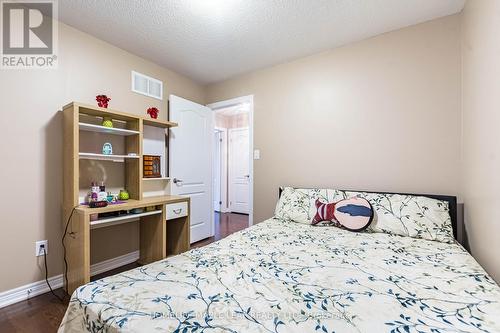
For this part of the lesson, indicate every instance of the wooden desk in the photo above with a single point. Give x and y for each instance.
(158, 237)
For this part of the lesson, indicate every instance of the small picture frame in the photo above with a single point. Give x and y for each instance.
(151, 166)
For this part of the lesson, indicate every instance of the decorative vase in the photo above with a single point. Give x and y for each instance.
(123, 195)
(107, 122)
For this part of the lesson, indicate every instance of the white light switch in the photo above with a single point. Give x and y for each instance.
(256, 154)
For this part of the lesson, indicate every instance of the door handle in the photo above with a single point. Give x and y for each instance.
(177, 181)
(247, 176)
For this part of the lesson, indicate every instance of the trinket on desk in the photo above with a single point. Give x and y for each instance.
(107, 149)
(123, 195)
(107, 122)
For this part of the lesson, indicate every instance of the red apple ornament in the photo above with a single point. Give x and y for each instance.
(153, 112)
(102, 101)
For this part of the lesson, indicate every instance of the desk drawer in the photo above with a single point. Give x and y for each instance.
(176, 210)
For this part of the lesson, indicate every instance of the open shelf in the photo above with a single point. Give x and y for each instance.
(92, 110)
(102, 157)
(158, 123)
(107, 130)
(109, 221)
(159, 178)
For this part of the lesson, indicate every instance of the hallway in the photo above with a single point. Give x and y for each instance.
(225, 224)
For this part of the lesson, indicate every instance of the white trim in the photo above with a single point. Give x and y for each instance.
(113, 263)
(231, 102)
(30, 290)
(223, 193)
(230, 163)
(217, 188)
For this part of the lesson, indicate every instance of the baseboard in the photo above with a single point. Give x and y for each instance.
(30, 290)
(113, 263)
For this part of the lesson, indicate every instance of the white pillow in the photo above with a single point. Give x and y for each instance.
(397, 214)
(409, 215)
(297, 204)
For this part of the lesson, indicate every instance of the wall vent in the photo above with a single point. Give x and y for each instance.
(146, 85)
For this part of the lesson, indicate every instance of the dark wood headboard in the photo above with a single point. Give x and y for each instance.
(452, 204)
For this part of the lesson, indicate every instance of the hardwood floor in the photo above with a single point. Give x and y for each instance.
(43, 314)
(225, 224)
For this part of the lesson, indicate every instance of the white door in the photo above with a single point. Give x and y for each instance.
(190, 159)
(217, 170)
(239, 171)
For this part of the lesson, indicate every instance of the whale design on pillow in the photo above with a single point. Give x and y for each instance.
(354, 214)
(356, 210)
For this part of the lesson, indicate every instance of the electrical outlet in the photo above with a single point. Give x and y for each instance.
(39, 246)
(256, 154)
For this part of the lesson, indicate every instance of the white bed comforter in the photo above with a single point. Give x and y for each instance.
(282, 276)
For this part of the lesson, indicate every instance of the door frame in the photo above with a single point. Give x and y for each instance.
(230, 165)
(232, 102)
(224, 207)
(217, 166)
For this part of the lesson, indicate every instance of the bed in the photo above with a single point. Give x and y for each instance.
(284, 276)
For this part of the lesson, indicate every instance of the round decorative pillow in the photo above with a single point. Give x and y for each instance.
(354, 214)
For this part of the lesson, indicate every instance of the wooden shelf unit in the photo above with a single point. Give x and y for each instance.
(72, 155)
(158, 237)
(110, 221)
(109, 130)
(103, 157)
(158, 178)
(159, 123)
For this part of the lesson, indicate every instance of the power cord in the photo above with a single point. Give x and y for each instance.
(47, 275)
(64, 247)
(64, 255)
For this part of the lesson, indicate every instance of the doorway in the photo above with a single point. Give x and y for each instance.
(232, 157)
(238, 166)
(220, 170)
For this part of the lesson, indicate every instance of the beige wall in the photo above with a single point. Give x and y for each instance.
(481, 130)
(31, 150)
(380, 114)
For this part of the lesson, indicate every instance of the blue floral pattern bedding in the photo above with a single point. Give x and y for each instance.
(281, 276)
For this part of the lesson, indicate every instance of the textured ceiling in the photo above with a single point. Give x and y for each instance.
(212, 40)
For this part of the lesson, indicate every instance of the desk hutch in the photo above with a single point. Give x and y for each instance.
(163, 226)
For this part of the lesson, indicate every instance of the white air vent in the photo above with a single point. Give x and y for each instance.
(146, 85)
